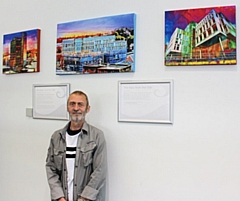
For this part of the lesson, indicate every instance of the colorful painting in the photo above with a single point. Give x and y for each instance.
(21, 52)
(101, 45)
(204, 36)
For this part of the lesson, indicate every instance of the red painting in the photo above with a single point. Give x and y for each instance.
(203, 36)
(21, 52)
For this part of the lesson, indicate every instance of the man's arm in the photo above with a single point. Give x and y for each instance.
(98, 177)
(53, 176)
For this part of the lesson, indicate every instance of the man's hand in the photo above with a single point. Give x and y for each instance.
(84, 199)
(62, 199)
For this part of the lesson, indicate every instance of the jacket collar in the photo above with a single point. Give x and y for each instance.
(64, 130)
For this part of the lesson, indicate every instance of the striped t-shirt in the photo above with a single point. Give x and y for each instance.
(71, 140)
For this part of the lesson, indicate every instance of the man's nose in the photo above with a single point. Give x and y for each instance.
(76, 107)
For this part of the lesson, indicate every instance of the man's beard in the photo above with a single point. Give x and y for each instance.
(78, 117)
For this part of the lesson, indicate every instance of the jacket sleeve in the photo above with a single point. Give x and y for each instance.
(97, 180)
(53, 175)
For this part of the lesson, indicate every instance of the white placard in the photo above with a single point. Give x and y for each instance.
(145, 101)
(50, 101)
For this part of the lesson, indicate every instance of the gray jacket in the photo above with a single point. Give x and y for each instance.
(90, 165)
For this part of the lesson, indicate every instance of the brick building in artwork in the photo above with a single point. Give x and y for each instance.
(18, 48)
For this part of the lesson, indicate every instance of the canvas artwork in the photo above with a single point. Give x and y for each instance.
(21, 51)
(203, 36)
(101, 45)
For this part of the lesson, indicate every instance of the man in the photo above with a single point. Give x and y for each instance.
(76, 163)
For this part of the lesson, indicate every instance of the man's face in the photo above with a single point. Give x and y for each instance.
(77, 107)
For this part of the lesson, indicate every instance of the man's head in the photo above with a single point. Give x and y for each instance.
(78, 106)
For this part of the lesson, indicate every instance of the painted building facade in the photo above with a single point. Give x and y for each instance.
(77, 52)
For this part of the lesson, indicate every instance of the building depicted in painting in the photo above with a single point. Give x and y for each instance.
(210, 41)
(181, 43)
(215, 37)
(18, 48)
(79, 54)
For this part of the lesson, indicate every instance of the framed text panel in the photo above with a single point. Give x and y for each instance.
(50, 101)
(145, 101)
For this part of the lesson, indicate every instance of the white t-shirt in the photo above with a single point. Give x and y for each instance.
(70, 160)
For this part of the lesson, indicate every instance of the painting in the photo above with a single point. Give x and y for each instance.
(21, 52)
(100, 45)
(203, 36)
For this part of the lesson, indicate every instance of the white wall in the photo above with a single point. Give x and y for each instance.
(195, 158)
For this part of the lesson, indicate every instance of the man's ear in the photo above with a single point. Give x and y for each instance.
(88, 109)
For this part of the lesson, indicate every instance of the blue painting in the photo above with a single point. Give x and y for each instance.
(100, 45)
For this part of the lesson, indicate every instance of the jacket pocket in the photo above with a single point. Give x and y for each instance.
(87, 154)
(58, 158)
